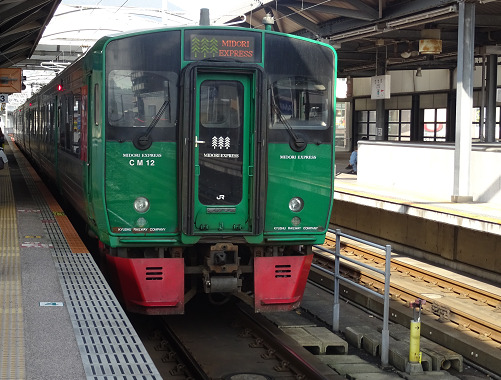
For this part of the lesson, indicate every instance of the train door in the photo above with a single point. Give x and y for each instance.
(222, 154)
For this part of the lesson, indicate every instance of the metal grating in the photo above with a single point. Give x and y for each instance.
(109, 346)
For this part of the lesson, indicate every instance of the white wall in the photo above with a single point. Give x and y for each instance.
(405, 81)
(428, 169)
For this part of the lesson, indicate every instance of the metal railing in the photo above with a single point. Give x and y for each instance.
(385, 334)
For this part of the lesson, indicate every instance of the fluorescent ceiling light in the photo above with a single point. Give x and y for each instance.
(417, 19)
(357, 33)
(423, 18)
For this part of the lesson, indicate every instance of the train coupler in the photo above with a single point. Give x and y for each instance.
(221, 284)
(222, 273)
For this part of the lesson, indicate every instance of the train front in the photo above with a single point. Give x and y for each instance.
(217, 170)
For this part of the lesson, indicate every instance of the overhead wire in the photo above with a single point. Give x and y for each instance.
(126, 1)
(295, 12)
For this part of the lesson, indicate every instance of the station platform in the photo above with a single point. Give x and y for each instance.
(480, 216)
(463, 236)
(59, 318)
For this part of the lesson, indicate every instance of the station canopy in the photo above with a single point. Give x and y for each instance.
(400, 34)
(22, 23)
(43, 37)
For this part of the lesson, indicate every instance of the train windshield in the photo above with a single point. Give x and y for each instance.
(135, 97)
(299, 103)
(142, 74)
(300, 90)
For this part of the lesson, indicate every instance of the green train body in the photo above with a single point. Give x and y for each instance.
(195, 152)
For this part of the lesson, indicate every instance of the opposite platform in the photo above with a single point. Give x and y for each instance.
(478, 216)
(58, 317)
(460, 236)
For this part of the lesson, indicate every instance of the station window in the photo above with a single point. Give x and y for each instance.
(434, 127)
(498, 123)
(366, 125)
(399, 125)
(475, 125)
(341, 135)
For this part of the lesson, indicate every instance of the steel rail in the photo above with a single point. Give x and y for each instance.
(462, 319)
(286, 348)
(447, 284)
(187, 359)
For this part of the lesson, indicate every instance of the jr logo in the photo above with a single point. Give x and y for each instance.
(220, 197)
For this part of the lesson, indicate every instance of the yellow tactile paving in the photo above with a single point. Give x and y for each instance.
(12, 359)
(75, 243)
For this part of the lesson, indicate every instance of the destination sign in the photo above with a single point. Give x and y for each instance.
(245, 47)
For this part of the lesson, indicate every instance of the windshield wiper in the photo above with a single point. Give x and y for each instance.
(143, 141)
(297, 143)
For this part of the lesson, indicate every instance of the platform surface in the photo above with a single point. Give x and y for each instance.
(58, 317)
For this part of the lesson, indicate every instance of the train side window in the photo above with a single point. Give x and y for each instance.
(60, 123)
(97, 104)
(65, 121)
(51, 123)
(43, 127)
(68, 124)
(76, 125)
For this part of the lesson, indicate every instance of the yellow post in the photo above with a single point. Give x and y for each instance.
(414, 354)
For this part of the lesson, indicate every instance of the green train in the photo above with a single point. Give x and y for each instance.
(201, 158)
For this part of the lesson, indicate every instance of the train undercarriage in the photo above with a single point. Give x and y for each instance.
(163, 280)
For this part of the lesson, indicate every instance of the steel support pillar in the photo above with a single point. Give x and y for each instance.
(492, 79)
(381, 127)
(464, 102)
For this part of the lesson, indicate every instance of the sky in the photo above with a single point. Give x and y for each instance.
(218, 8)
(77, 25)
(82, 22)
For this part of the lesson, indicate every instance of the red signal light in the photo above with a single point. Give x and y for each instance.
(59, 87)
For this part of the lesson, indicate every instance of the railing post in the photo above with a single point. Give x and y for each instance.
(385, 334)
(335, 310)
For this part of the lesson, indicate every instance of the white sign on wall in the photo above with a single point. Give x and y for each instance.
(380, 87)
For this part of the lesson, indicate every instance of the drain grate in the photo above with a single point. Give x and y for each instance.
(109, 346)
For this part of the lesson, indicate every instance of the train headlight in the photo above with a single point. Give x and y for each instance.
(141, 205)
(296, 204)
(296, 221)
(141, 222)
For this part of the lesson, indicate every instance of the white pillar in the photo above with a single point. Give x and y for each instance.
(464, 102)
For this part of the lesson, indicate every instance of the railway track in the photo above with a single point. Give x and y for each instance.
(228, 342)
(449, 300)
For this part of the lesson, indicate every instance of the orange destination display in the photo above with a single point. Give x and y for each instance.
(240, 46)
